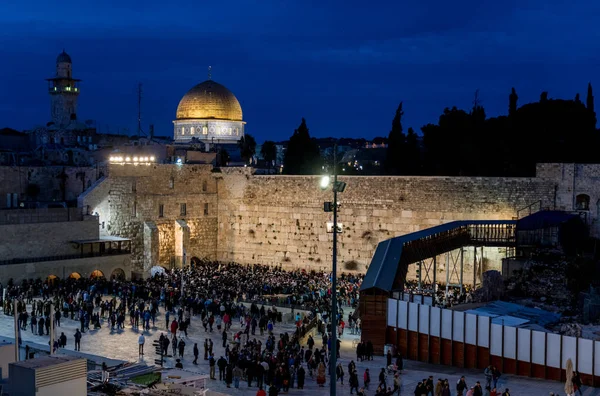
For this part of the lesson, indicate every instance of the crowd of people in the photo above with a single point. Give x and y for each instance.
(444, 297)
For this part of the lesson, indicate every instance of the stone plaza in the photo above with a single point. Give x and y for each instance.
(121, 345)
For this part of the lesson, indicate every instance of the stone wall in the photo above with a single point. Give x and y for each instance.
(279, 220)
(15, 179)
(44, 239)
(135, 197)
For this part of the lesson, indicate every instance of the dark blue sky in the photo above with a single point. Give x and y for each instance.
(343, 65)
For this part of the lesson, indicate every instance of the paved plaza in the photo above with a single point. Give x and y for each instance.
(122, 345)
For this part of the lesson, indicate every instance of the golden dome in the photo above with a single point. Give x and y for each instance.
(209, 100)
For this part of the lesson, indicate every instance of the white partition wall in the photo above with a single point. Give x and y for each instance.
(569, 349)
(392, 312)
(424, 319)
(447, 324)
(436, 321)
(403, 315)
(585, 356)
(524, 345)
(510, 342)
(553, 346)
(459, 326)
(413, 316)
(483, 336)
(527, 346)
(496, 347)
(471, 329)
(538, 348)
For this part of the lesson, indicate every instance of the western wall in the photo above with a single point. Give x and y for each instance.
(234, 215)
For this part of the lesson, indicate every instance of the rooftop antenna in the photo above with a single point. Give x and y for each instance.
(210, 72)
(139, 130)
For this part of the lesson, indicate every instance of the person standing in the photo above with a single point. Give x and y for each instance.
(224, 338)
(77, 340)
(141, 342)
(196, 352)
(237, 374)
(211, 364)
(577, 382)
(367, 379)
(461, 385)
(181, 347)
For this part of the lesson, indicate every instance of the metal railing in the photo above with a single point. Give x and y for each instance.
(42, 215)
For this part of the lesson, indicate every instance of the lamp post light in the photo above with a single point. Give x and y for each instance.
(328, 207)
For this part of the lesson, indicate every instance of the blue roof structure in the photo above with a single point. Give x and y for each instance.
(516, 315)
(544, 219)
(385, 263)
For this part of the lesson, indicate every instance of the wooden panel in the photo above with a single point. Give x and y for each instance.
(553, 373)
(497, 361)
(458, 354)
(390, 335)
(402, 342)
(470, 357)
(373, 315)
(446, 351)
(423, 347)
(413, 338)
(523, 368)
(483, 357)
(538, 371)
(510, 366)
(586, 379)
(435, 350)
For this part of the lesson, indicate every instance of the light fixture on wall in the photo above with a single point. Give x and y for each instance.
(137, 160)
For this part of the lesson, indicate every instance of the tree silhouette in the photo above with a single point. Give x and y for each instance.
(412, 154)
(302, 156)
(590, 102)
(512, 102)
(247, 146)
(396, 141)
(269, 152)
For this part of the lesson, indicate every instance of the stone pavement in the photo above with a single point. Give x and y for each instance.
(122, 345)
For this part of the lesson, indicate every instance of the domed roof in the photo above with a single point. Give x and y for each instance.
(63, 57)
(209, 100)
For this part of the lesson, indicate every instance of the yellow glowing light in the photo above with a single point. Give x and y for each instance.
(135, 159)
(127, 159)
(152, 158)
(146, 159)
(112, 159)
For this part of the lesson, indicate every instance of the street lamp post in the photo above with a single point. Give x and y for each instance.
(337, 187)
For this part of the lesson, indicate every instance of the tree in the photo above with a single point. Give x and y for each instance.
(269, 152)
(247, 146)
(396, 141)
(590, 102)
(412, 154)
(302, 156)
(223, 157)
(512, 102)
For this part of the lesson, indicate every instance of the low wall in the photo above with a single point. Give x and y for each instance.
(63, 268)
(443, 336)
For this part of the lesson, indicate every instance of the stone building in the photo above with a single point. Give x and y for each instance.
(58, 243)
(235, 215)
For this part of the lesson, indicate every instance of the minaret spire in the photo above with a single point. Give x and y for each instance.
(210, 72)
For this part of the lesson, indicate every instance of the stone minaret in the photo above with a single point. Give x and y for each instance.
(63, 91)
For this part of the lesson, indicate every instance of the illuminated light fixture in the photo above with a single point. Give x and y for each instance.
(135, 159)
(112, 159)
(325, 182)
(179, 162)
(127, 159)
(152, 158)
(146, 159)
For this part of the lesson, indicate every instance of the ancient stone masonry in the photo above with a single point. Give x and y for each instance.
(234, 215)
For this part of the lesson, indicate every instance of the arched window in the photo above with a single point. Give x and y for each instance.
(183, 130)
(191, 130)
(582, 202)
(205, 130)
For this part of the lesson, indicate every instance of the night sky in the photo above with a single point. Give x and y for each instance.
(344, 66)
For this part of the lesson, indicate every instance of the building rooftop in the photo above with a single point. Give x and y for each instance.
(45, 361)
